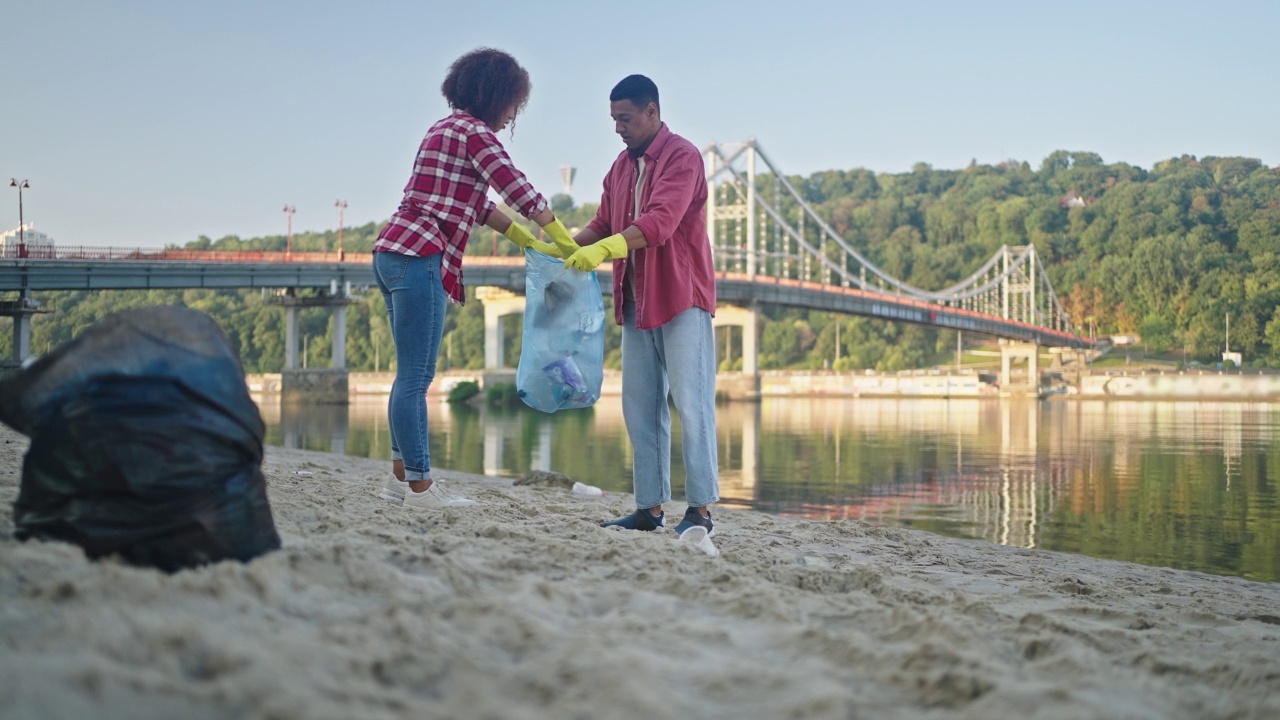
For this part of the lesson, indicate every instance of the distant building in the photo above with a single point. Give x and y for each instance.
(9, 240)
(567, 174)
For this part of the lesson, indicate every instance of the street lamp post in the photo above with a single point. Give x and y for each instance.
(22, 229)
(341, 205)
(289, 210)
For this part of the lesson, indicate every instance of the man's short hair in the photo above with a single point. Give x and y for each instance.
(639, 89)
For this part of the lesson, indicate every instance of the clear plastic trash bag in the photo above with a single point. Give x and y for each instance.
(562, 356)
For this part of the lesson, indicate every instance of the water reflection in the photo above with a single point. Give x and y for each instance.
(311, 427)
(1189, 485)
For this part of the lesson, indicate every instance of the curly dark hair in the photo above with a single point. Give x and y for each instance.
(486, 83)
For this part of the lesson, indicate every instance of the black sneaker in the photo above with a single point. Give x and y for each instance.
(694, 518)
(638, 520)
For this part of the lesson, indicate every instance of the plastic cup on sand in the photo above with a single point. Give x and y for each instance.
(697, 537)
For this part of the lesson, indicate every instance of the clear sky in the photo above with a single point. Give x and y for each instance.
(143, 123)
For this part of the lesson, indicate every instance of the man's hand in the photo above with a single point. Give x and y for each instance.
(589, 257)
(559, 235)
(521, 236)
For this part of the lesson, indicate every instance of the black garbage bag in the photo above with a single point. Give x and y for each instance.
(144, 443)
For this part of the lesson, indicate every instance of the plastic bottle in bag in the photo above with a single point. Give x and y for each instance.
(562, 355)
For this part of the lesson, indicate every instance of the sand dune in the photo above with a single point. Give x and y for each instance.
(523, 608)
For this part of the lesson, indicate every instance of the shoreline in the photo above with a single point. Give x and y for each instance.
(523, 607)
(1174, 385)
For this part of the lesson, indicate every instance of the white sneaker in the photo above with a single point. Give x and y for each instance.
(434, 498)
(393, 489)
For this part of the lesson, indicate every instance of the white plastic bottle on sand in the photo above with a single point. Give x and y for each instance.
(584, 489)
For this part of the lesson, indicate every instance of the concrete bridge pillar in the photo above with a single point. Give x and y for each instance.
(290, 337)
(323, 385)
(337, 303)
(498, 303)
(749, 320)
(1069, 362)
(1011, 351)
(21, 311)
(340, 336)
(747, 385)
(21, 338)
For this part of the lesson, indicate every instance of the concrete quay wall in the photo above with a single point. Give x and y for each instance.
(731, 385)
(1183, 386)
(876, 385)
(369, 383)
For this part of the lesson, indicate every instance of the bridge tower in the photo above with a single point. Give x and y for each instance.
(736, 210)
(762, 226)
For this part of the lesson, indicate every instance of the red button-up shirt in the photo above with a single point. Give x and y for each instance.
(457, 162)
(675, 272)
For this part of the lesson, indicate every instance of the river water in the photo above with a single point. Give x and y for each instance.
(1191, 485)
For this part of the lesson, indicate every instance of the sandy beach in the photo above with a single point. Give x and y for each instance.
(522, 607)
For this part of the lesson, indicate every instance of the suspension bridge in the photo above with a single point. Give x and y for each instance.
(774, 250)
(1010, 295)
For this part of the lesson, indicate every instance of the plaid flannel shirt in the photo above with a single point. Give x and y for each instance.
(458, 160)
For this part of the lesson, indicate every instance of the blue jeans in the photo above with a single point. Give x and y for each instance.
(416, 303)
(679, 357)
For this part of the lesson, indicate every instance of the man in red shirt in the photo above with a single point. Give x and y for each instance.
(652, 223)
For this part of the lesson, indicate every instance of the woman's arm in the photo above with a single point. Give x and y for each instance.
(544, 218)
(494, 166)
(498, 220)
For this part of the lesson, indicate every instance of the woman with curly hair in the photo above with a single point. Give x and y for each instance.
(417, 260)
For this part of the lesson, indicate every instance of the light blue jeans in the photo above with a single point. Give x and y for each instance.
(679, 357)
(416, 302)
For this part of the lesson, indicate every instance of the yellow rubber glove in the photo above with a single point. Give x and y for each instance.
(559, 235)
(590, 256)
(521, 236)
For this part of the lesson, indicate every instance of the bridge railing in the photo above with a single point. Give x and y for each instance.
(176, 256)
(87, 252)
(97, 253)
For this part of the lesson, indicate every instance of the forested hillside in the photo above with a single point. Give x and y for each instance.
(1166, 253)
